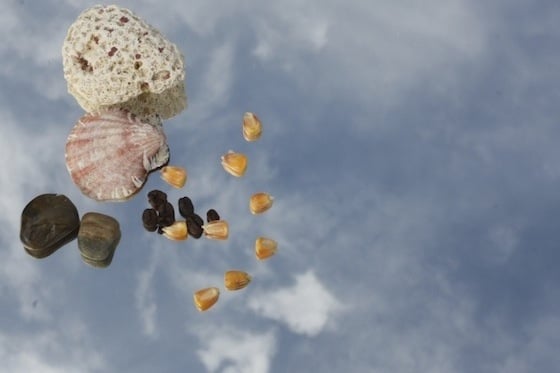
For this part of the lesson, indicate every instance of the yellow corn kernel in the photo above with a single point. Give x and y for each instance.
(234, 163)
(174, 176)
(206, 298)
(252, 127)
(236, 280)
(216, 230)
(260, 202)
(265, 248)
(177, 231)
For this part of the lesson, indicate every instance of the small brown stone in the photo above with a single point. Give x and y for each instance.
(98, 238)
(48, 222)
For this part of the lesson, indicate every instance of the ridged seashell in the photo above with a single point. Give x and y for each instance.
(98, 238)
(48, 222)
(110, 154)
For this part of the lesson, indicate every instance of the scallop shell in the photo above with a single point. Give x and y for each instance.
(110, 154)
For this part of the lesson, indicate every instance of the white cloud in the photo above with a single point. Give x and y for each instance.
(144, 296)
(230, 350)
(306, 307)
(65, 349)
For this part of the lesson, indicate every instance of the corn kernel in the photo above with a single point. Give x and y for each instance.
(236, 280)
(252, 127)
(206, 298)
(216, 230)
(234, 163)
(174, 176)
(260, 202)
(176, 231)
(265, 248)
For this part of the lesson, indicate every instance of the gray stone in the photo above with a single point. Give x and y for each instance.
(48, 222)
(98, 238)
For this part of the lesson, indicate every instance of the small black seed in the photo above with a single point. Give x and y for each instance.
(197, 219)
(186, 207)
(193, 226)
(166, 215)
(156, 198)
(212, 215)
(150, 219)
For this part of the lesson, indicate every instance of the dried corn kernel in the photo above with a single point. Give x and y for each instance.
(265, 248)
(234, 163)
(176, 231)
(252, 127)
(216, 230)
(260, 202)
(174, 176)
(206, 298)
(236, 280)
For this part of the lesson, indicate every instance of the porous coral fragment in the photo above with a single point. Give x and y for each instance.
(110, 62)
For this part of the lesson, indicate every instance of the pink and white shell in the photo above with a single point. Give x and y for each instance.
(110, 154)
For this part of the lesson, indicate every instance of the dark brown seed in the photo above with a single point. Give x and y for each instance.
(193, 226)
(186, 207)
(48, 222)
(98, 238)
(157, 198)
(166, 215)
(150, 219)
(212, 215)
(198, 219)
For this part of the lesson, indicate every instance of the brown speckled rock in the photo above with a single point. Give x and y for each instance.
(48, 222)
(98, 238)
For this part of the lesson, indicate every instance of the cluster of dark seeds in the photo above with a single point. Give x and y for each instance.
(162, 214)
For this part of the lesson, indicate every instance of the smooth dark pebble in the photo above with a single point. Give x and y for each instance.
(150, 219)
(186, 207)
(156, 198)
(212, 215)
(98, 238)
(193, 226)
(48, 222)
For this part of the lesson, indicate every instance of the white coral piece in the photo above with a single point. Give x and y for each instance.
(112, 58)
